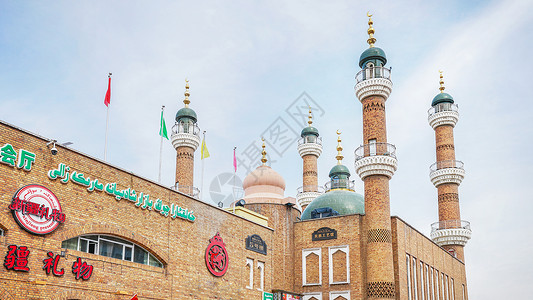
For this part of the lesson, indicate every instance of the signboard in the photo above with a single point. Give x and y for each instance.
(255, 243)
(324, 233)
(268, 296)
(36, 209)
(216, 256)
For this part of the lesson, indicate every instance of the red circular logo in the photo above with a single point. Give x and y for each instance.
(216, 256)
(37, 209)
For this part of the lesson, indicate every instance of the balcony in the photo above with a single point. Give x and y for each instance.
(340, 184)
(374, 81)
(447, 171)
(376, 159)
(185, 135)
(310, 145)
(451, 232)
(443, 114)
(187, 190)
(307, 193)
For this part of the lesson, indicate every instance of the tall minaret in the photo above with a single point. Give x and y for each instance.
(375, 163)
(310, 148)
(186, 139)
(447, 174)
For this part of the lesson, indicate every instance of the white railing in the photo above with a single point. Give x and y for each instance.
(310, 188)
(443, 107)
(445, 164)
(340, 184)
(450, 224)
(187, 190)
(374, 149)
(310, 139)
(373, 72)
(186, 128)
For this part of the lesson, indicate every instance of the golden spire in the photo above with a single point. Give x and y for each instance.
(187, 94)
(310, 117)
(339, 156)
(441, 82)
(264, 153)
(371, 39)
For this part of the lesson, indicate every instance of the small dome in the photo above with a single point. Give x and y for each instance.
(372, 53)
(263, 175)
(186, 113)
(309, 130)
(441, 98)
(342, 201)
(339, 170)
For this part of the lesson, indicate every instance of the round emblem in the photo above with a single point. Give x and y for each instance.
(36, 209)
(216, 256)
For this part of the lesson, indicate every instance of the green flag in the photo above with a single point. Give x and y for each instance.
(163, 127)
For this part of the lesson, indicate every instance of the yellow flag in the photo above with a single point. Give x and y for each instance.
(205, 152)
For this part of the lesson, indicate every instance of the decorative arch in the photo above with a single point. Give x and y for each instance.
(76, 294)
(118, 231)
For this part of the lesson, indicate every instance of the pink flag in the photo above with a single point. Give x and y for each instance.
(234, 160)
(107, 99)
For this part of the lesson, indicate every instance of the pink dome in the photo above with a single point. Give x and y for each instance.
(264, 175)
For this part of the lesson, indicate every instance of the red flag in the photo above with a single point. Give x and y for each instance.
(134, 297)
(234, 160)
(107, 99)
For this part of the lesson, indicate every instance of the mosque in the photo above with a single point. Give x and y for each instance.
(75, 227)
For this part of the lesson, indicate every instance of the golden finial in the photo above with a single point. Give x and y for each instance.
(264, 153)
(371, 39)
(441, 82)
(310, 117)
(339, 156)
(187, 94)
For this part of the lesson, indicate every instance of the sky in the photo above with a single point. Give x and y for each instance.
(254, 65)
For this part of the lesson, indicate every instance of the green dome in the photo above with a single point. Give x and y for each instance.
(186, 113)
(372, 53)
(309, 130)
(339, 170)
(342, 201)
(441, 98)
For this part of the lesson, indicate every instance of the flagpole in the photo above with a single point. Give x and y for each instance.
(107, 119)
(234, 175)
(203, 167)
(161, 148)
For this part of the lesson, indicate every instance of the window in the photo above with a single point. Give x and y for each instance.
(453, 289)
(250, 267)
(111, 246)
(442, 288)
(312, 266)
(415, 280)
(422, 284)
(310, 139)
(339, 265)
(447, 288)
(372, 147)
(437, 289)
(261, 267)
(312, 296)
(2, 232)
(432, 283)
(428, 290)
(464, 292)
(339, 295)
(409, 293)
(369, 71)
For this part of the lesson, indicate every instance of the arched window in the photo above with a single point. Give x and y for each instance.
(111, 246)
(310, 139)
(369, 71)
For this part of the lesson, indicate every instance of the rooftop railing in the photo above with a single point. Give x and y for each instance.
(186, 128)
(340, 184)
(310, 188)
(373, 72)
(374, 149)
(442, 107)
(188, 190)
(450, 224)
(444, 164)
(310, 139)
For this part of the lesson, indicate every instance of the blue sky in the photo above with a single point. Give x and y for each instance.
(248, 61)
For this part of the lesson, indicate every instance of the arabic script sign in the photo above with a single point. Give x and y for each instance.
(36, 209)
(255, 243)
(216, 256)
(324, 233)
(142, 200)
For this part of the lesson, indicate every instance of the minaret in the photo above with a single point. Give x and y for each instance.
(185, 139)
(447, 174)
(375, 163)
(309, 148)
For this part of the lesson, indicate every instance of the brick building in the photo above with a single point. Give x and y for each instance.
(75, 227)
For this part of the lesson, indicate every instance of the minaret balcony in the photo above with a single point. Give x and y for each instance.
(187, 190)
(451, 232)
(340, 184)
(307, 193)
(376, 159)
(185, 135)
(310, 145)
(447, 171)
(443, 114)
(373, 81)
